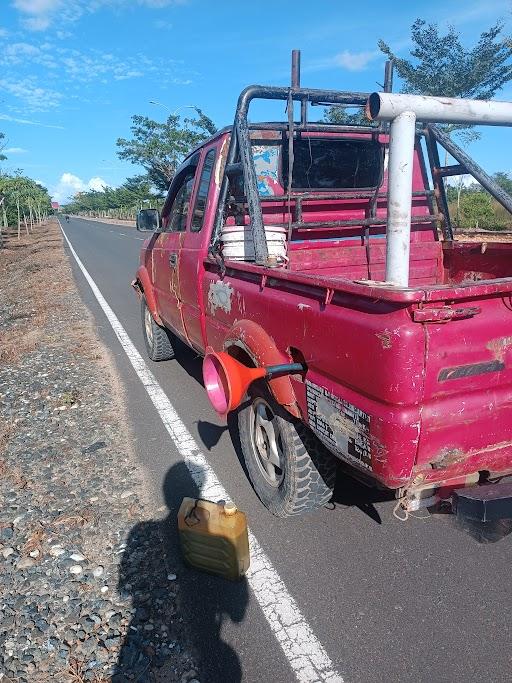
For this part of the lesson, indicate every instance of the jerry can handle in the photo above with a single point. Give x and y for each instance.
(191, 518)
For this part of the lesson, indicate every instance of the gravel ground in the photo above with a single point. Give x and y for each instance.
(75, 602)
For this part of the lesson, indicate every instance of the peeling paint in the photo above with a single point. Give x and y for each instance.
(220, 163)
(448, 457)
(301, 307)
(220, 295)
(499, 346)
(385, 339)
(240, 303)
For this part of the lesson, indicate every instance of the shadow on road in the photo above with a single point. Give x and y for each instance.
(210, 433)
(189, 360)
(349, 492)
(194, 608)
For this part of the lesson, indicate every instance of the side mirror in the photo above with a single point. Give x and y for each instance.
(148, 220)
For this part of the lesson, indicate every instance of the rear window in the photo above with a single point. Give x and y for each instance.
(329, 164)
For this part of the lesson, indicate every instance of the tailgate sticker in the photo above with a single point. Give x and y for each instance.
(470, 370)
(342, 427)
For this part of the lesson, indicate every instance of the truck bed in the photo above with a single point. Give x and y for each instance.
(439, 270)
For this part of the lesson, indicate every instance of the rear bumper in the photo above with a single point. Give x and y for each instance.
(487, 503)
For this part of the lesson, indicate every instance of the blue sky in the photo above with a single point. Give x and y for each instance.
(73, 72)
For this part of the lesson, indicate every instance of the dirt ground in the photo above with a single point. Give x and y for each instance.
(76, 605)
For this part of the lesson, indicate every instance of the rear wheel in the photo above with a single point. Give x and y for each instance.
(157, 338)
(290, 470)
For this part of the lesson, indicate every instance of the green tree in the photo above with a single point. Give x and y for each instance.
(476, 210)
(25, 201)
(160, 147)
(339, 116)
(123, 201)
(441, 65)
(504, 180)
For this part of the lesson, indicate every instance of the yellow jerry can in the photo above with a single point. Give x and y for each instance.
(214, 537)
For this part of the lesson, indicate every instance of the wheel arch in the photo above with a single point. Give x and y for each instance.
(144, 287)
(250, 344)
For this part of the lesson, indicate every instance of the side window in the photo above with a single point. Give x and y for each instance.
(178, 215)
(202, 192)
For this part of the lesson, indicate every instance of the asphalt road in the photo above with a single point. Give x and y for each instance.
(420, 600)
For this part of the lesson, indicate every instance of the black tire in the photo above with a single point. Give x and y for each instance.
(157, 338)
(306, 479)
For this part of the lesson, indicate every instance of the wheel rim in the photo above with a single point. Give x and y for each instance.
(267, 442)
(148, 323)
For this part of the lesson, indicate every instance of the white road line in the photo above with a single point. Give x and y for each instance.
(306, 655)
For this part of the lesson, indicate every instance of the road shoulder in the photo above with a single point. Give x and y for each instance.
(77, 528)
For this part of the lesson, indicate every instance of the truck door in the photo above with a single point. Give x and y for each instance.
(194, 247)
(166, 251)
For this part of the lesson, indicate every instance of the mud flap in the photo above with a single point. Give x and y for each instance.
(487, 503)
(484, 512)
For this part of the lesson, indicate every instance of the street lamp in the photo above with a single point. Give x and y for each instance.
(173, 113)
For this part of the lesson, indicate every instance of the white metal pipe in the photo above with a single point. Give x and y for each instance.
(400, 167)
(382, 106)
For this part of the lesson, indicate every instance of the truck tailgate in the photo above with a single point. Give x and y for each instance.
(466, 419)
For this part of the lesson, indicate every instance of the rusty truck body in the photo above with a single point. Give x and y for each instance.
(403, 335)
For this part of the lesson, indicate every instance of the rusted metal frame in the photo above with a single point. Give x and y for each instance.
(429, 193)
(241, 142)
(311, 95)
(388, 75)
(295, 80)
(315, 127)
(388, 87)
(296, 84)
(234, 169)
(427, 218)
(290, 161)
(298, 208)
(472, 167)
(439, 188)
(251, 189)
(372, 210)
(223, 195)
(321, 196)
(454, 169)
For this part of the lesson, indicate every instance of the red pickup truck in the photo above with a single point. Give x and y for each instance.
(273, 245)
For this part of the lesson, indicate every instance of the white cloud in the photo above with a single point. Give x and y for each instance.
(352, 61)
(21, 53)
(37, 6)
(355, 61)
(32, 95)
(97, 184)
(69, 184)
(28, 122)
(38, 15)
(15, 150)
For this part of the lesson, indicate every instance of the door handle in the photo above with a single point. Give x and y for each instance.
(173, 259)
